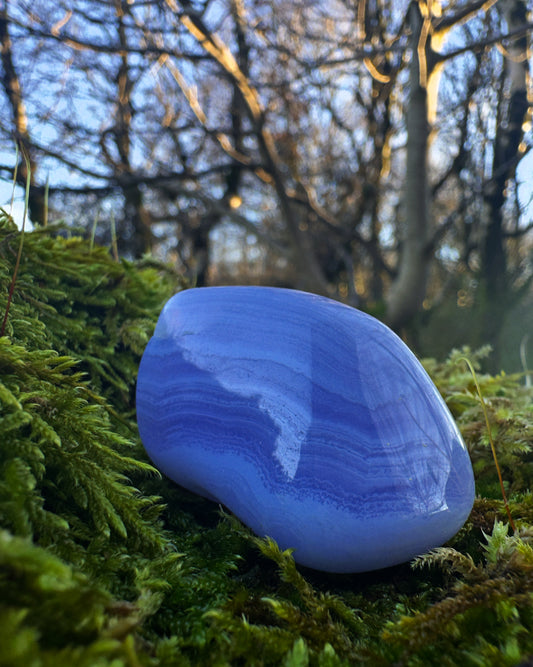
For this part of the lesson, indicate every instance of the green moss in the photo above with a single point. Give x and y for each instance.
(74, 298)
(103, 562)
(510, 410)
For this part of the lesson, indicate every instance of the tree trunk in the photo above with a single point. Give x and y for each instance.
(138, 217)
(496, 296)
(13, 91)
(135, 212)
(408, 290)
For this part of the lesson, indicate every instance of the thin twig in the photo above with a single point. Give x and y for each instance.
(493, 448)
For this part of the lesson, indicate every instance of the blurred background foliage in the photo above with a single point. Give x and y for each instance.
(375, 151)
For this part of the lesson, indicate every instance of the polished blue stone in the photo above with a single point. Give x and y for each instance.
(310, 420)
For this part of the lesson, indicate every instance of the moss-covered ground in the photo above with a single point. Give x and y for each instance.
(105, 563)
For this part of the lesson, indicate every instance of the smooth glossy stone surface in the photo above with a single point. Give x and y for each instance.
(309, 420)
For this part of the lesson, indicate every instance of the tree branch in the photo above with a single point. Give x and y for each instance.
(304, 257)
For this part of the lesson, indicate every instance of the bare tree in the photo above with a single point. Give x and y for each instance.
(333, 133)
(511, 114)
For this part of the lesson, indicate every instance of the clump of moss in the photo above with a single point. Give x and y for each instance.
(72, 297)
(68, 508)
(94, 570)
(486, 618)
(510, 411)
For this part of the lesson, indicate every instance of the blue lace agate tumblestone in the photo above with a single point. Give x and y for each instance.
(310, 420)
